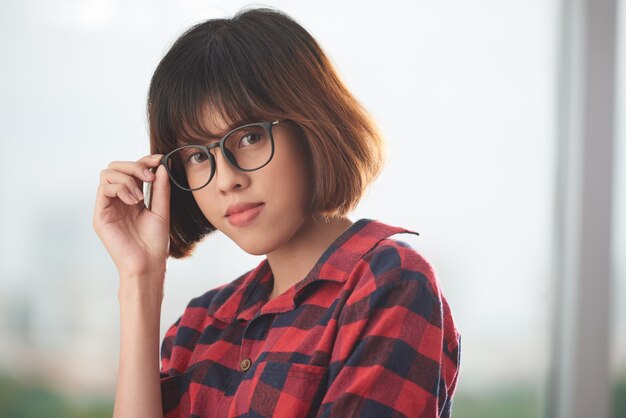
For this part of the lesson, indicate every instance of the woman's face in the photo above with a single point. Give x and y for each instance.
(280, 191)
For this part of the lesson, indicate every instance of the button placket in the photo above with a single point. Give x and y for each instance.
(250, 347)
(244, 354)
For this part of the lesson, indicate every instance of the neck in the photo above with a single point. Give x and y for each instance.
(293, 261)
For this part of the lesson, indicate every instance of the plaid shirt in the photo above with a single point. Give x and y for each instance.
(367, 333)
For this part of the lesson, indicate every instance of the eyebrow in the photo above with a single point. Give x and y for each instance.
(237, 123)
(211, 137)
(194, 141)
(214, 136)
(207, 137)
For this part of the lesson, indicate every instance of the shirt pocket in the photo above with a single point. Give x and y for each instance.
(279, 389)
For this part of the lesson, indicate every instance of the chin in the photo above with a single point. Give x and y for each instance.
(262, 241)
(252, 248)
(254, 251)
(252, 245)
(256, 248)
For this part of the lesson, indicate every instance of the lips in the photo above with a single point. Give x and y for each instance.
(242, 214)
(241, 207)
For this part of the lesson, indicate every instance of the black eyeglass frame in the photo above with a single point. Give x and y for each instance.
(220, 144)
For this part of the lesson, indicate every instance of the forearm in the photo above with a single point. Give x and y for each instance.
(138, 392)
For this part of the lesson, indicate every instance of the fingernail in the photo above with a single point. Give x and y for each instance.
(148, 173)
(138, 193)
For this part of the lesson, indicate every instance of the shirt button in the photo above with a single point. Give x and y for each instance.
(245, 364)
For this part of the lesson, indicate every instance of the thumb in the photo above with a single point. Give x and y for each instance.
(161, 193)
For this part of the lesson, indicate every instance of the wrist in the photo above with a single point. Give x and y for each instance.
(141, 287)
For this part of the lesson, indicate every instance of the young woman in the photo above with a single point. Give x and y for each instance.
(253, 134)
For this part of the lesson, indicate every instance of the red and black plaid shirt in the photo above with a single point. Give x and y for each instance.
(367, 333)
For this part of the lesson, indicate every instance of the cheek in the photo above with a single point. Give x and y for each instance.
(291, 181)
(210, 211)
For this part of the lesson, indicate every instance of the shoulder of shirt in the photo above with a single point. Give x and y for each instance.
(207, 303)
(393, 261)
(395, 255)
(218, 295)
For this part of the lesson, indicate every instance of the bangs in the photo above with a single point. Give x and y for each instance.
(201, 88)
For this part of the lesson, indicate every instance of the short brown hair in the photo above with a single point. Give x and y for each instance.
(261, 65)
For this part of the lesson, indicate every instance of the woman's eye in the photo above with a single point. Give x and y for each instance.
(249, 139)
(197, 158)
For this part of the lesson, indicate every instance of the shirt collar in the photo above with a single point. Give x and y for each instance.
(247, 295)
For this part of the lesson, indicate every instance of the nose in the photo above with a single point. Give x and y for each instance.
(227, 177)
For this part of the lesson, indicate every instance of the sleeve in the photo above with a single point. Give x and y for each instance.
(181, 337)
(166, 349)
(397, 350)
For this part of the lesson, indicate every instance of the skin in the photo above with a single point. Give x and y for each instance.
(137, 240)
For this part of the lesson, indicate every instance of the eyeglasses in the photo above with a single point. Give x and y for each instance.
(247, 148)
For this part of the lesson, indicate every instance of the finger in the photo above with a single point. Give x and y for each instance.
(108, 176)
(119, 191)
(152, 160)
(161, 194)
(139, 168)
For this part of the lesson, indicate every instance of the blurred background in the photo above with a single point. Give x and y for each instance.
(473, 98)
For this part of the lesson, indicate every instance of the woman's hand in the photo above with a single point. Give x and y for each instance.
(136, 238)
(138, 241)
